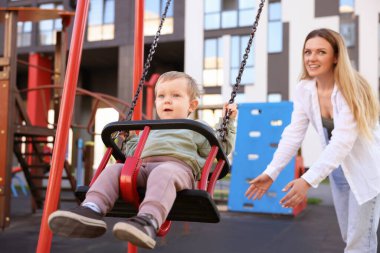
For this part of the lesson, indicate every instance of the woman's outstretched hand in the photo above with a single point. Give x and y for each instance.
(297, 193)
(258, 187)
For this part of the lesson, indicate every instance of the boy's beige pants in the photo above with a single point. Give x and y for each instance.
(162, 177)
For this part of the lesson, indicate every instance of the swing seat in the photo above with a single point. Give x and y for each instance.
(190, 205)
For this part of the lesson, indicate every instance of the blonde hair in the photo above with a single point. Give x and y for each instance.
(192, 85)
(355, 89)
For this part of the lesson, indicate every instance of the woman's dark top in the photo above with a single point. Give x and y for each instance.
(329, 125)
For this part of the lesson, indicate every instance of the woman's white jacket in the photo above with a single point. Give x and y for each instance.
(358, 156)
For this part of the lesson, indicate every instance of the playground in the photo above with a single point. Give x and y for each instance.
(37, 176)
(315, 230)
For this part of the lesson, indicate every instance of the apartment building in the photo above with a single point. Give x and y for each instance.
(207, 38)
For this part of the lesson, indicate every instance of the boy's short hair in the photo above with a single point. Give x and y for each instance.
(193, 89)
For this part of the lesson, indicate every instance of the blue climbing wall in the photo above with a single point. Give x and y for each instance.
(259, 129)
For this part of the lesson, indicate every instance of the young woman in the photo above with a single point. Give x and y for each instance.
(343, 109)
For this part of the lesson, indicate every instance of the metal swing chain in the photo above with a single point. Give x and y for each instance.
(223, 127)
(152, 50)
(148, 61)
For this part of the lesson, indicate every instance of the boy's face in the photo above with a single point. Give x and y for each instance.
(173, 100)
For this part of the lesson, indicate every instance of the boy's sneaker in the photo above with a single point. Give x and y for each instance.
(138, 230)
(80, 222)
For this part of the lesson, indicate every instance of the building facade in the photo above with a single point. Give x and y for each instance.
(206, 39)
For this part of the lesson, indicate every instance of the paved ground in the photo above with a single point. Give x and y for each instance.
(313, 231)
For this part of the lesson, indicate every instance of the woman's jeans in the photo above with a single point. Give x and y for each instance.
(358, 223)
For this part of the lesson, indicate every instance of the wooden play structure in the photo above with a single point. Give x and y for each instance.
(26, 135)
(16, 127)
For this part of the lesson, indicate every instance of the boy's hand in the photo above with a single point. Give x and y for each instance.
(132, 133)
(232, 108)
(126, 134)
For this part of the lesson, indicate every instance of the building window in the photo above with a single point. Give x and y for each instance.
(347, 22)
(101, 20)
(47, 28)
(246, 12)
(24, 34)
(274, 28)
(238, 46)
(274, 97)
(213, 62)
(228, 13)
(102, 117)
(348, 33)
(346, 6)
(211, 111)
(152, 17)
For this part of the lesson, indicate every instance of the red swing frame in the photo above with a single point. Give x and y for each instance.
(130, 170)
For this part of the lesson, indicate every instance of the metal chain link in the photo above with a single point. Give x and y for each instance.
(148, 61)
(223, 127)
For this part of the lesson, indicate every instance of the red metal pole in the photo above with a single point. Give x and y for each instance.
(132, 248)
(64, 120)
(102, 164)
(202, 184)
(38, 101)
(138, 56)
(149, 102)
(150, 85)
(138, 61)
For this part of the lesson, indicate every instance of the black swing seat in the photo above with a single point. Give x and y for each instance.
(190, 205)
